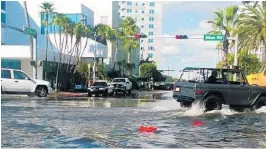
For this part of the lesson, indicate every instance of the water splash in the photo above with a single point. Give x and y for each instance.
(198, 110)
(261, 110)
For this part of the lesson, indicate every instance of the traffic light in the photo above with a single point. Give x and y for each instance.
(181, 37)
(140, 36)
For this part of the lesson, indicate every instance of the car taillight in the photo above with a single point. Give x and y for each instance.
(199, 92)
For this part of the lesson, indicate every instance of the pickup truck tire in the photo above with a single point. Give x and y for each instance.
(212, 102)
(89, 94)
(259, 103)
(184, 104)
(41, 91)
(106, 93)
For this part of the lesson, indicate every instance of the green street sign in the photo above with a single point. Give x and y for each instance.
(30, 31)
(213, 37)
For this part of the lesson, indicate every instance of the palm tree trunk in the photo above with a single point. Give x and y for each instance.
(263, 50)
(28, 25)
(129, 56)
(46, 47)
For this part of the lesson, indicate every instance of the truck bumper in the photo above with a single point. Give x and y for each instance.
(183, 98)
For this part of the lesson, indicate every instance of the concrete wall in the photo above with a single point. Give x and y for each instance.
(25, 66)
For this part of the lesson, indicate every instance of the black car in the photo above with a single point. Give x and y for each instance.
(100, 88)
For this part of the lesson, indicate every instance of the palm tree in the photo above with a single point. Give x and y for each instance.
(115, 35)
(103, 31)
(47, 9)
(225, 21)
(119, 63)
(129, 28)
(28, 25)
(129, 67)
(251, 25)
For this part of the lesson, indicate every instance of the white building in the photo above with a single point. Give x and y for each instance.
(148, 16)
(15, 49)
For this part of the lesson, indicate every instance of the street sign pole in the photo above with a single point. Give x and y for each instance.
(33, 33)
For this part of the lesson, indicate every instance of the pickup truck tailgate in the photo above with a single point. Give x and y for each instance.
(184, 91)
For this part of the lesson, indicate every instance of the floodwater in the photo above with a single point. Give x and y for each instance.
(99, 122)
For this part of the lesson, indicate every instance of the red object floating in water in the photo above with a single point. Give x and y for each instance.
(147, 129)
(197, 123)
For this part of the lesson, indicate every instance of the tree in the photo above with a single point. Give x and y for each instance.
(251, 27)
(225, 21)
(129, 67)
(147, 69)
(249, 63)
(47, 9)
(129, 28)
(104, 33)
(82, 69)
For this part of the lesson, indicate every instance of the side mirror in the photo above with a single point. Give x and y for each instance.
(128, 82)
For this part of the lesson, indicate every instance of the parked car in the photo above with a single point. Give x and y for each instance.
(15, 81)
(122, 85)
(214, 87)
(100, 87)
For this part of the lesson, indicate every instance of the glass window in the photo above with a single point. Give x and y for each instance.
(151, 26)
(9, 63)
(136, 11)
(143, 11)
(151, 33)
(20, 75)
(151, 3)
(150, 40)
(3, 17)
(151, 11)
(142, 26)
(141, 41)
(142, 19)
(150, 47)
(150, 55)
(3, 5)
(129, 10)
(234, 78)
(143, 4)
(136, 4)
(129, 3)
(151, 18)
(5, 74)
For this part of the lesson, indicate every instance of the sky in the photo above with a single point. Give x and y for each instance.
(189, 18)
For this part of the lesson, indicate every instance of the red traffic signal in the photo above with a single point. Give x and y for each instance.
(181, 37)
(137, 36)
(140, 36)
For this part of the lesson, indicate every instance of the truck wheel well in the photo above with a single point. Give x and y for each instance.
(41, 86)
(218, 94)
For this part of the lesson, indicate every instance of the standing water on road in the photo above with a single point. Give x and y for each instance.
(97, 122)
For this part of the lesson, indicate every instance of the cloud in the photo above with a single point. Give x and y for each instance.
(170, 50)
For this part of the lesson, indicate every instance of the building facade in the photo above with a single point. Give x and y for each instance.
(12, 13)
(148, 17)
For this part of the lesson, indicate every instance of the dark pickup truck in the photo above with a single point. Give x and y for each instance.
(213, 87)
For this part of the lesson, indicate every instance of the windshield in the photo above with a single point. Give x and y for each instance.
(119, 80)
(99, 84)
(200, 75)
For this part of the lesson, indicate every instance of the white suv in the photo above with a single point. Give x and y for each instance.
(17, 81)
(122, 85)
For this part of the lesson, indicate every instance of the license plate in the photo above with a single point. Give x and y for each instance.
(177, 89)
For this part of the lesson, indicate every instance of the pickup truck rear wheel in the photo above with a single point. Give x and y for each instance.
(184, 104)
(259, 103)
(212, 102)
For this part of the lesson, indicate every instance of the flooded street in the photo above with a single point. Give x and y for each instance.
(100, 122)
